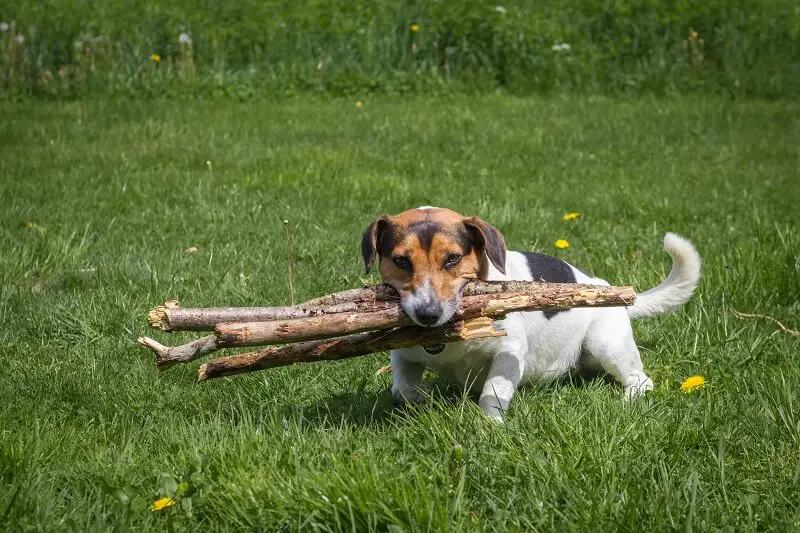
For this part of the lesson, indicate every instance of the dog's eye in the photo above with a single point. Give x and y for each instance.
(402, 262)
(452, 260)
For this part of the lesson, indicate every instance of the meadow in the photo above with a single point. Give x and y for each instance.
(257, 49)
(102, 199)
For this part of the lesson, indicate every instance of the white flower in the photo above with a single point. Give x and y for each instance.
(4, 26)
(500, 9)
(20, 39)
(561, 47)
(184, 38)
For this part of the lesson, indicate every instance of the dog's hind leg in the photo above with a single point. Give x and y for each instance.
(609, 343)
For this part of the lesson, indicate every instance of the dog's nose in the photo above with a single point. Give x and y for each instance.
(429, 314)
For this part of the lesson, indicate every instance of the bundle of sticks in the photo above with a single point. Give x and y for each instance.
(353, 323)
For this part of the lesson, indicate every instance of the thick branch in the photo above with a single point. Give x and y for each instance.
(172, 317)
(349, 346)
(544, 296)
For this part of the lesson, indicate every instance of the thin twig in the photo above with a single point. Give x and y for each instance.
(744, 316)
(289, 255)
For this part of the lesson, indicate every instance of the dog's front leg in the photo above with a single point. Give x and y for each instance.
(504, 376)
(407, 385)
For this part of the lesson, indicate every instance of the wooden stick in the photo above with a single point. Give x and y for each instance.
(380, 316)
(172, 317)
(169, 356)
(349, 346)
(545, 296)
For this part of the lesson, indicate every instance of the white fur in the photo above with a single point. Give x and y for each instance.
(537, 349)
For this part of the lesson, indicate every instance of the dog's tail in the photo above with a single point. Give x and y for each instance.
(676, 290)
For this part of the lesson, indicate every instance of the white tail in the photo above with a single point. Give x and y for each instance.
(676, 290)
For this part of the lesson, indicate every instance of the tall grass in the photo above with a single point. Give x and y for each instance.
(277, 47)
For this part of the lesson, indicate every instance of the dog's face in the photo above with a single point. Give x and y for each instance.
(428, 255)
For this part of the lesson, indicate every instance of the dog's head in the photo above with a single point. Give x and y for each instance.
(428, 255)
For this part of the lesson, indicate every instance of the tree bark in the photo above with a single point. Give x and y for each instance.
(349, 346)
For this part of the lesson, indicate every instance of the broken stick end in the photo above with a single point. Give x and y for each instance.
(201, 372)
(159, 350)
(158, 317)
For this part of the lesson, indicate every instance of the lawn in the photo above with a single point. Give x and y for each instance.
(101, 201)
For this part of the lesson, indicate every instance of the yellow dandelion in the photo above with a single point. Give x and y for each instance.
(562, 243)
(359, 104)
(571, 216)
(162, 503)
(693, 383)
(155, 58)
(414, 28)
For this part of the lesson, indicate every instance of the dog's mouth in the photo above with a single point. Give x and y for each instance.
(434, 349)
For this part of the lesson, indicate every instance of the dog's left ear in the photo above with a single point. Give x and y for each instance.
(369, 241)
(489, 240)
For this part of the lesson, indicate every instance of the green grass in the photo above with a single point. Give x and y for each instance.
(257, 49)
(100, 202)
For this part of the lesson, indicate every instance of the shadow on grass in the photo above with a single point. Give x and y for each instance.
(378, 408)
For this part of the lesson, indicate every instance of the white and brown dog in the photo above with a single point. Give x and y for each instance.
(429, 254)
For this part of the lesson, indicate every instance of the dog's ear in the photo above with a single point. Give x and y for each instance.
(489, 241)
(369, 241)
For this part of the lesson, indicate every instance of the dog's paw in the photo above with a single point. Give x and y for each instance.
(637, 386)
(492, 410)
(496, 415)
(411, 395)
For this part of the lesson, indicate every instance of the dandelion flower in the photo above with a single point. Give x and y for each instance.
(162, 503)
(571, 216)
(562, 243)
(184, 38)
(359, 104)
(20, 38)
(693, 383)
(4, 26)
(414, 28)
(695, 35)
(155, 58)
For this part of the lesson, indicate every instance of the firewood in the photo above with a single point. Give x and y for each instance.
(545, 296)
(172, 317)
(378, 315)
(348, 346)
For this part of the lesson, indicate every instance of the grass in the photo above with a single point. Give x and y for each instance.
(101, 200)
(257, 49)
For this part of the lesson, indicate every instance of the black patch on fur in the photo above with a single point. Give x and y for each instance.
(425, 230)
(551, 269)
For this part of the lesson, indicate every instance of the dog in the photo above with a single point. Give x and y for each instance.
(429, 254)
